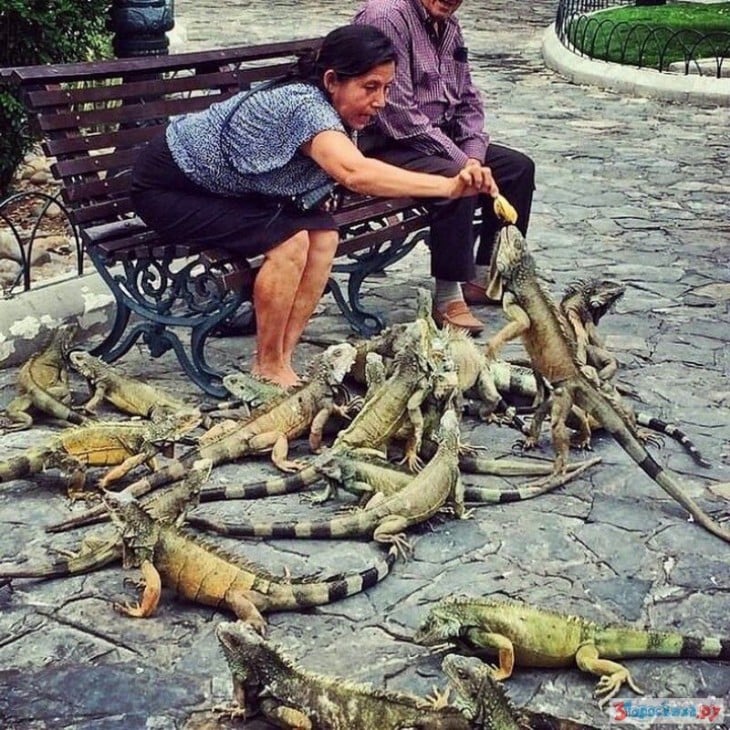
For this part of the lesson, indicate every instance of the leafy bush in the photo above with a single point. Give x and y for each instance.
(42, 31)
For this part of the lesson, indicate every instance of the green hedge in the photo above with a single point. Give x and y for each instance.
(42, 31)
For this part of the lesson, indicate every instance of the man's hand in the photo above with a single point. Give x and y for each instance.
(473, 179)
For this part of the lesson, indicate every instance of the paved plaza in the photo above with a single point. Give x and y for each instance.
(631, 188)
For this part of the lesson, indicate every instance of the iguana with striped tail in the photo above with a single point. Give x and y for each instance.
(167, 506)
(268, 429)
(483, 700)
(584, 302)
(266, 682)
(43, 384)
(545, 333)
(384, 519)
(121, 445)
(527, 636)
(203, 574)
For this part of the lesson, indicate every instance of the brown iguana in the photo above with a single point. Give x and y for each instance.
(167, 507)
(127, 394)
(528, 636)
(514, 380)
(268, 683)
(125, 444)
(43, 384)
(383, 518)
(201, 573)
(583, 304)
(269, 428)
(545, 334)
(483, 700)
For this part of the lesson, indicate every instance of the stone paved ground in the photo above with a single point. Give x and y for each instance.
(630, 188)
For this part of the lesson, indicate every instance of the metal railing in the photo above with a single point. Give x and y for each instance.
(581, 28)
(24, 230)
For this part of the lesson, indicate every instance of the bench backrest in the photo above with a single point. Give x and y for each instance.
(95, 117)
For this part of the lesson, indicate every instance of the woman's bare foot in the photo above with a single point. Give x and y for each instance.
(283, 376)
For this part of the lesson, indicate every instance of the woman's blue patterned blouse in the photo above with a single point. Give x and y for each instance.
(252, 144)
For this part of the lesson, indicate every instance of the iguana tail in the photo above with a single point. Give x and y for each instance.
(266, 488)
(491, 495)
(612, 421)
(621, 642)
(49, 405)
(85, 562)
(285, 597)
(352, 525)
(23, 465)
(656, 424)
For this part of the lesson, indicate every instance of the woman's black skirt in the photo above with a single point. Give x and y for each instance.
(181, 211)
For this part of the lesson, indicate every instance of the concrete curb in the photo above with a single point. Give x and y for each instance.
(639, 82)
(27, 320)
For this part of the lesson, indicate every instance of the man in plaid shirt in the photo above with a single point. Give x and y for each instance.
(434, 122)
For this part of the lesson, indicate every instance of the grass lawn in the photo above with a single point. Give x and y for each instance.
(654, 36)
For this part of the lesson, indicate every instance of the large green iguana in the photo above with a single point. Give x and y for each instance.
(545, 334)
(201, 573)
(167, 506)
(43, 384)
(267, 683)
(269, 428)
(119, 444)
(532, 637)
(483, 700)
(385, 519)
(127, 394)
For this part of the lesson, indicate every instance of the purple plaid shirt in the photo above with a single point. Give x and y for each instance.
(433, 89)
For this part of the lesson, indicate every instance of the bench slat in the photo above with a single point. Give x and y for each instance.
(128, 67)
(241, 78)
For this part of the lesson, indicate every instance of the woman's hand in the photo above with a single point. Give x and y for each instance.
(474, 178)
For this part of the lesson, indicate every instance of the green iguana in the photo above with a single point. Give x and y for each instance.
(129, 395)
(201, 573)
(385, 519)
(524, 635)
(483, 700)
(43, 384)
(545, 334)
(119, 444)
(268, 429)
(100, 549)
(265, 682)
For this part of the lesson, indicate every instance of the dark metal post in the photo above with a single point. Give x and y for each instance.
(139, 26)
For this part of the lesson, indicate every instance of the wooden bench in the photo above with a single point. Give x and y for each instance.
(93, 119)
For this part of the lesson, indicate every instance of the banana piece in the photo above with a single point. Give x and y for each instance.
(504, 210)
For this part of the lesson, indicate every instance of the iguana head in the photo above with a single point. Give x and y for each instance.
(139, 532)
(512, 256)
(171, 427)
(335, 362)
(478, 694)
(597, 296)
(442, 624)
(84, 363)
(248, 656)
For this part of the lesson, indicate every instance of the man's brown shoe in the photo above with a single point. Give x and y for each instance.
(457, 314)
(475, 294)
